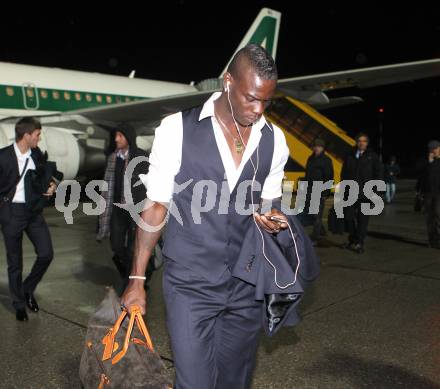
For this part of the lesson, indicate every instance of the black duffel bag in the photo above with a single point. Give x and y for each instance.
(118, 354)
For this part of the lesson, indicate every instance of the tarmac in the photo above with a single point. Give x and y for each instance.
(371, 320)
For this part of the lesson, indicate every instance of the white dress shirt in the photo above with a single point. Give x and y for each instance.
(21, 158)
(166, 155)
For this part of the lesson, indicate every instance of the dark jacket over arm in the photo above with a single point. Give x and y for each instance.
(272, 280)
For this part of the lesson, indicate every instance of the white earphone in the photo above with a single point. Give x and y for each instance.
(255, 210)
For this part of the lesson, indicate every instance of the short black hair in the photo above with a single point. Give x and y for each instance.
(26, 125)
(362, 135)
(261, 61)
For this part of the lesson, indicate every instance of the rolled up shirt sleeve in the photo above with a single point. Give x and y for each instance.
(165, 159)
(272, 187)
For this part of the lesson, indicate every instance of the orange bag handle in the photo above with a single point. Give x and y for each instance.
(109, 339)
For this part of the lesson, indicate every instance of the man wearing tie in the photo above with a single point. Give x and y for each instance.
(16, 216)
(361, 166)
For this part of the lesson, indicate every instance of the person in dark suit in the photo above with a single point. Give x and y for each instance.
(16, 217)
(361, 166)
(430, 190)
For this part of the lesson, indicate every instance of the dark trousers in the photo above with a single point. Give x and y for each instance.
(432, 209)
(122, 234)
(214, 328)
(357, 223)
(38, 233)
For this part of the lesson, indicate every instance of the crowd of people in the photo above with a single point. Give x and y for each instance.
(361, 166)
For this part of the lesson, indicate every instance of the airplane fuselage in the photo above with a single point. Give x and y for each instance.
(32, 90)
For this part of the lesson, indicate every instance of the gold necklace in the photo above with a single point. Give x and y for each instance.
(239, 145)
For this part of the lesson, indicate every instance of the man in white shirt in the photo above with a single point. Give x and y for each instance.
(16, 216)
(210, 161)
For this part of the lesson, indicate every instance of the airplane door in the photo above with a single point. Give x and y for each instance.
(30, 96)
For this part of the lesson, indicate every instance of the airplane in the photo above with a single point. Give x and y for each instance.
(77, 109)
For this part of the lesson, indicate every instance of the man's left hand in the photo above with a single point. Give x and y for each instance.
(51, 190)
(272, 226)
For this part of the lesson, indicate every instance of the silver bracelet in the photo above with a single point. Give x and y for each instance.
(137, 277)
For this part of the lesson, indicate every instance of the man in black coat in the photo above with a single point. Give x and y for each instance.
(361, 166)
(319, 167)
(16, 215)
(116, 222)
(430, 189)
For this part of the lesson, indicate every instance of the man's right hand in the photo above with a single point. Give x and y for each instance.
(135, 294)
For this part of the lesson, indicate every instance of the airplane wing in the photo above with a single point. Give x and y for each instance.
(339, 102)
(144, 115)
(313, 88)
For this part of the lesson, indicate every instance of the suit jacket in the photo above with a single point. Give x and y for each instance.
(280, 300)
(8, 170)
(9, 175)
(363, 169)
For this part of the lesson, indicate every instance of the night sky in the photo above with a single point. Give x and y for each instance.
(184, 41)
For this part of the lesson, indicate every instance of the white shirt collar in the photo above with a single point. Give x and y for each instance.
(122, 154)
(208, 111)
(19, 154)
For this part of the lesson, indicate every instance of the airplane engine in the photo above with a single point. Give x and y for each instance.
(62, 148)
(79, 155)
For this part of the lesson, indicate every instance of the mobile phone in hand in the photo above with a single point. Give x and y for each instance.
(276, 219)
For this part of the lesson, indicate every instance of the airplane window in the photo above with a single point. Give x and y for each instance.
(109, 99)
(99, 98)
(10, 91)
(66, 96)
(44, 94)
(56, 95)
(89, 97)
(78, 96)
(29, 92)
